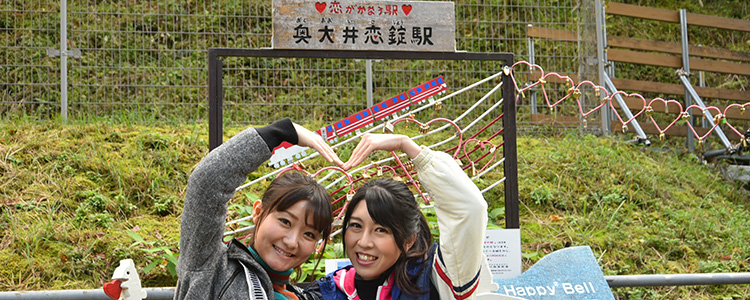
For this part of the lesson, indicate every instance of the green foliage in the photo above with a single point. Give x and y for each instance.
(165, 205)
(314, 267)
(71, 196)
(161, 254)
(92, 211)
(641, 211)
(541, 195)
(73, 206)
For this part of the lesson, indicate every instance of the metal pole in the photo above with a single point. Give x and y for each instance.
(530, 42)
(64, 59)
(510, 145)
(677, 279)
(215, 101)
(689, 143)
(165, 293)
(702, 83)
(689, 91)
(628, 114)
(368, 67)
(601, 58)
(215, 131)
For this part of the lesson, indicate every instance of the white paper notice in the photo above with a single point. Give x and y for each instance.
(503, 250)
(336, 263)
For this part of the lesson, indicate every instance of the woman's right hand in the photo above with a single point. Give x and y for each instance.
(307, 138)
(386, 142)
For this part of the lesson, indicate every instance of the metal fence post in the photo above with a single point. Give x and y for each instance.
(368, 67)
(530, 42)
(64, 59)
(689, 143)
(512, 219)
(215, 101)
(601, 59)
(63, 53)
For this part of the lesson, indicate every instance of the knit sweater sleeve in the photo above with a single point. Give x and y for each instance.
(212, 184)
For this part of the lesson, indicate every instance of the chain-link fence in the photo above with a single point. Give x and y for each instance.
(146, 60)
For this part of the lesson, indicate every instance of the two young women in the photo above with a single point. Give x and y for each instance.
(385, 235)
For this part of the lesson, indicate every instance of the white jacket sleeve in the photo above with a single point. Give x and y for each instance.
(462, 220)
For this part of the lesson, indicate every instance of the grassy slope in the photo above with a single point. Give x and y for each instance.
(641, 211)
(67, 193)
(70, 192)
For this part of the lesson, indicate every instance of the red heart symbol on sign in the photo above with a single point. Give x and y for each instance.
(406, 9)
(320, 6)
(113, 289)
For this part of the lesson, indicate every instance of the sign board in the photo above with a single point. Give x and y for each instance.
(333, 264)
(503, 250)
(570, 273)
(364, 25)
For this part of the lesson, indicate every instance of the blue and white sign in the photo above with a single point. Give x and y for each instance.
(570, 273)
(334, 264)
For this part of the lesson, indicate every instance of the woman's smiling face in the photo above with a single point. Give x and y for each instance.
(370, 246)
(284, 239)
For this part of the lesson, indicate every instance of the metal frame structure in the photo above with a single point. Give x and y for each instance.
(606, 70)
(613, 281)
(604, 76)
(690, 94)
(215, 99)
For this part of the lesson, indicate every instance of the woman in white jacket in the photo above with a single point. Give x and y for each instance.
(388, 239)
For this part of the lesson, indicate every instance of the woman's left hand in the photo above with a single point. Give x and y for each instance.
(307, 138)
(386, 142)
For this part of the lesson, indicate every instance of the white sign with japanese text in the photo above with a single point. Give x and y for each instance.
(364, 25)
(503, 250)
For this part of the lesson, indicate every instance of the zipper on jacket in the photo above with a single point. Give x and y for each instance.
(226, 285)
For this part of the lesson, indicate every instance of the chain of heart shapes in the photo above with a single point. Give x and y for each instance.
(574, 92)
(472, 154)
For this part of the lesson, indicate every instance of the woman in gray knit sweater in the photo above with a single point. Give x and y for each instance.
(294, 213)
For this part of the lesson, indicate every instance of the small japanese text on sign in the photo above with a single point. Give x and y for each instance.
(364, 25)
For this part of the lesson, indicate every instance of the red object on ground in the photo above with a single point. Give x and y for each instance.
(113, 289)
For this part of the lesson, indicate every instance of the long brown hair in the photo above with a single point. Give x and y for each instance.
(390, 203)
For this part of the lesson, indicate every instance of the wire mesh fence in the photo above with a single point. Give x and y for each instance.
(146, 60)
(28, 81)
